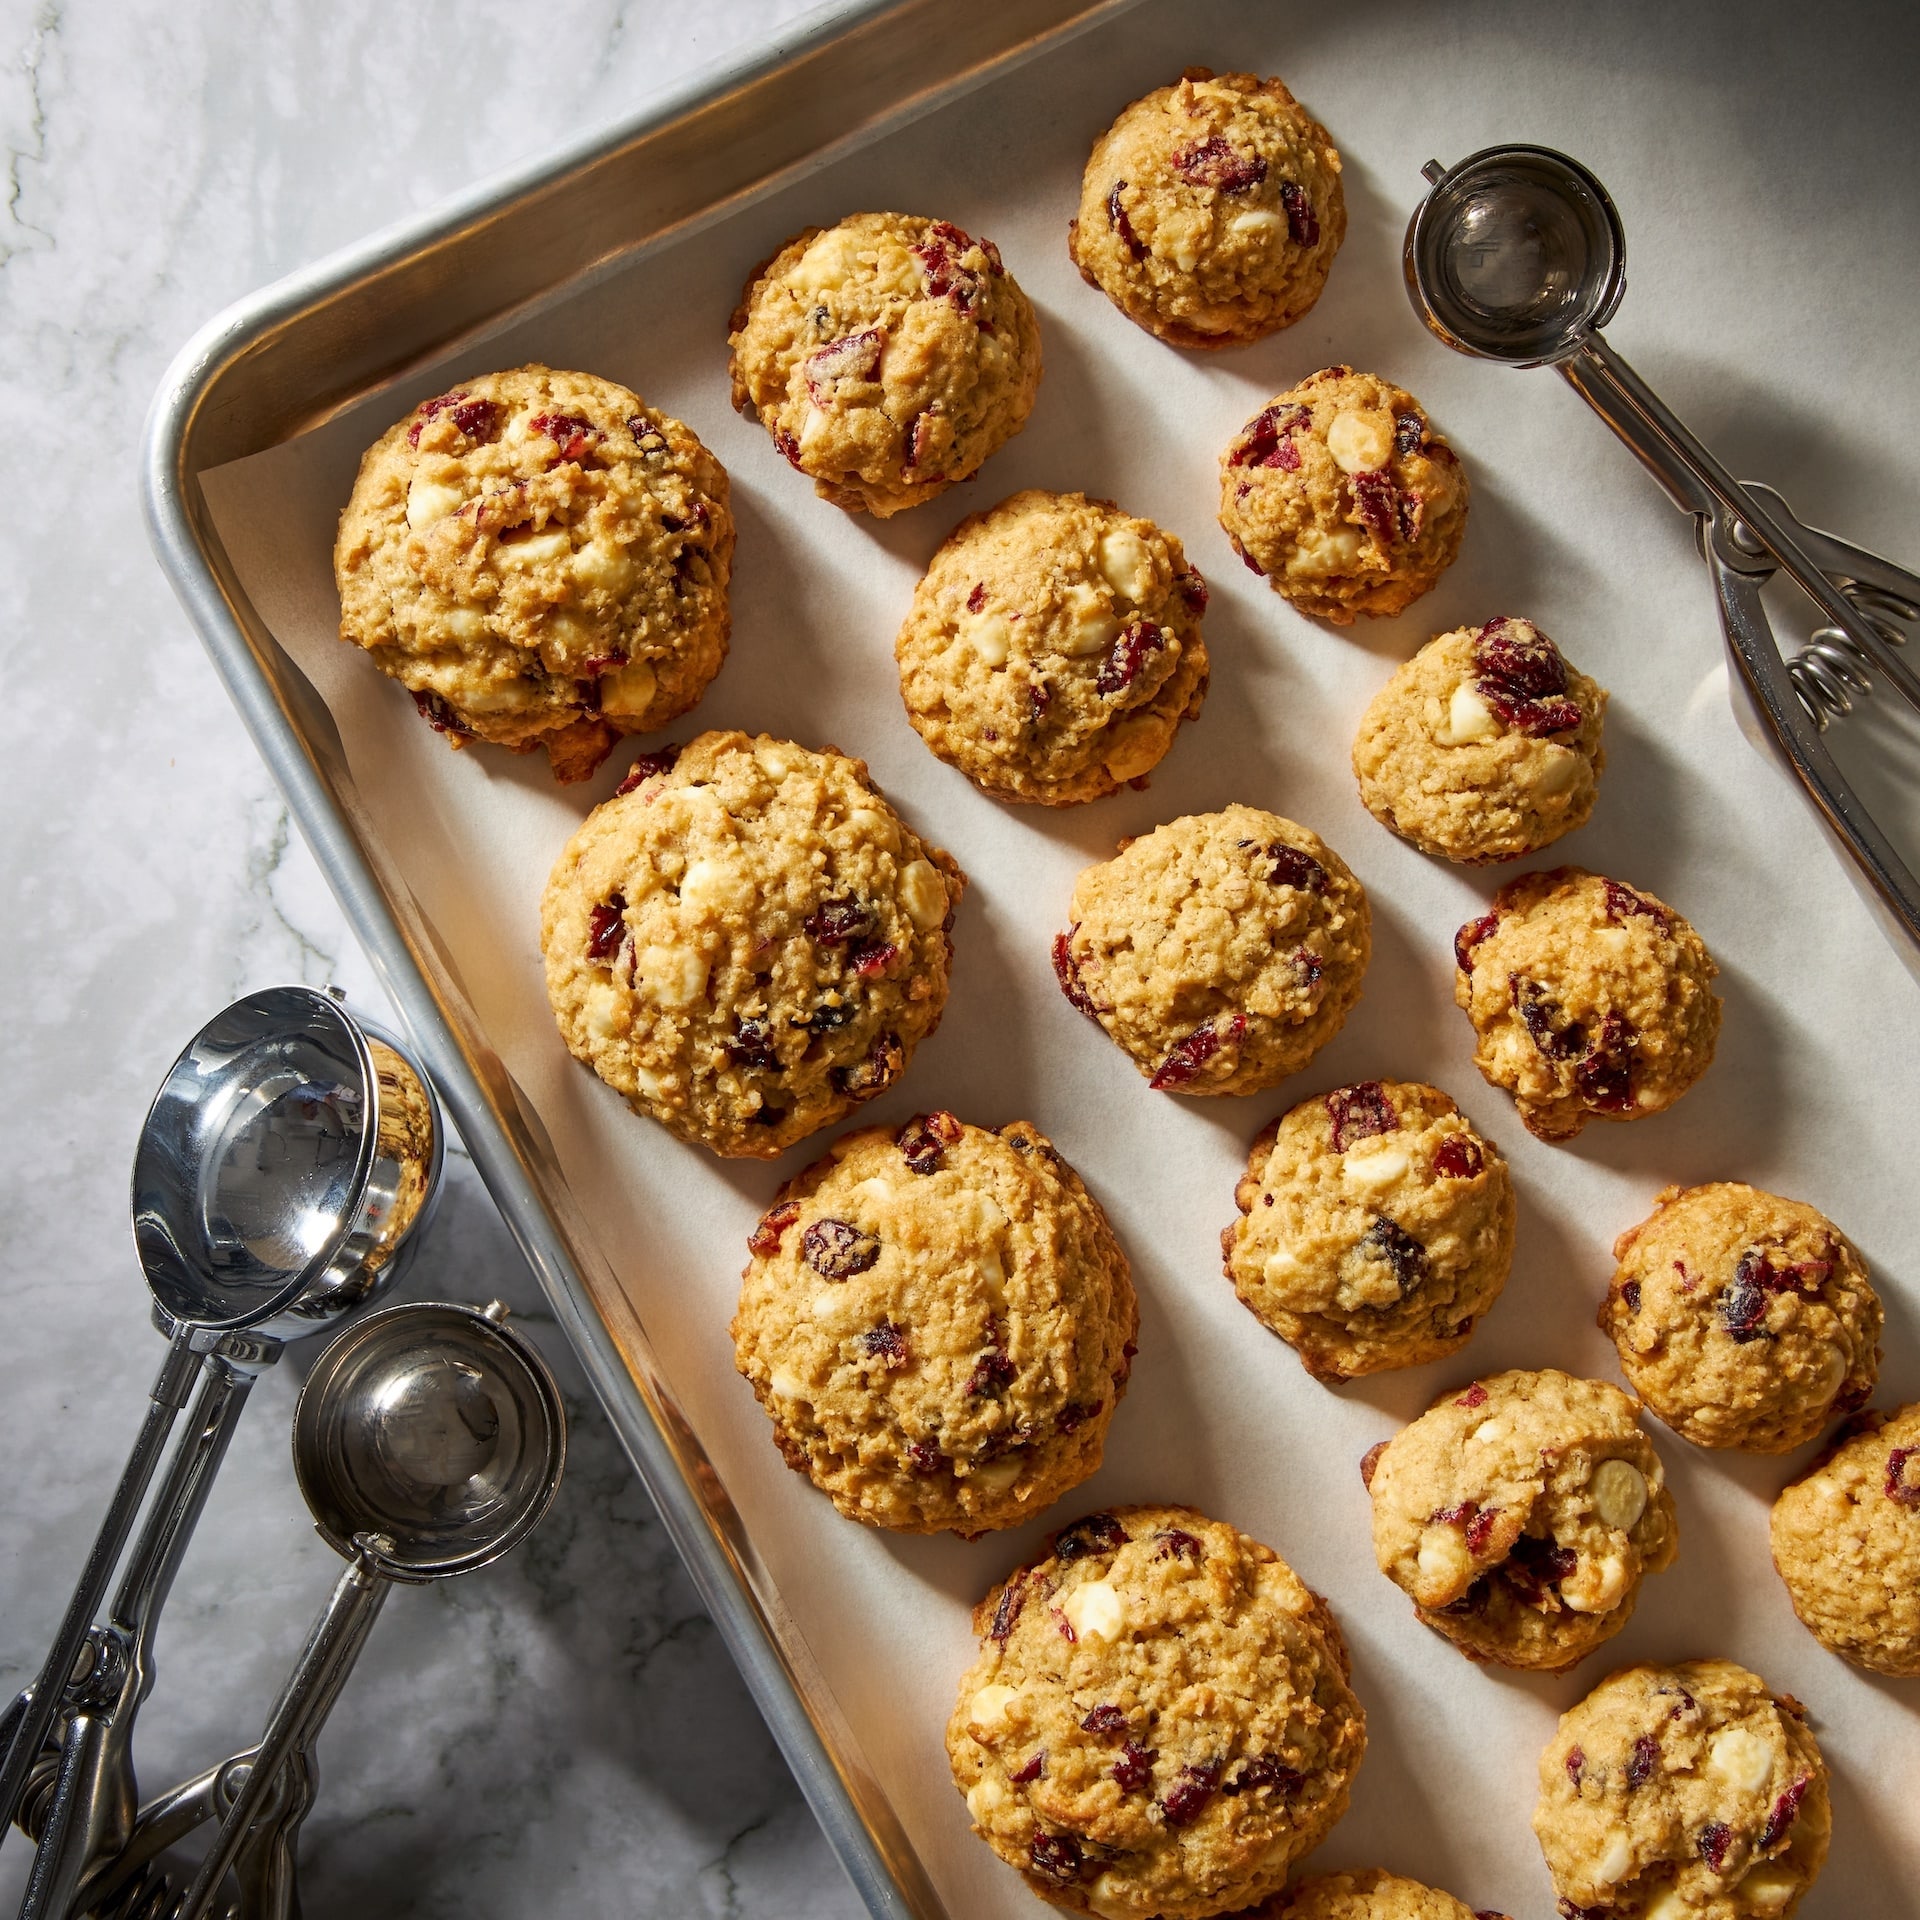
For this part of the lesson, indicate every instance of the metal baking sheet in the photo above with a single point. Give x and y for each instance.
(625, 259)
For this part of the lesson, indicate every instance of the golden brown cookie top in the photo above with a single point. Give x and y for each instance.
(1685, 1790)
(940, 1322)
(746, 941)
(1211, 210)
(1221, 951)
(1743, 1319)
(1159, 1722)
(1591, 999)
(1371, 1894)
(887, 356)
(1484, 746)
(1054, 647)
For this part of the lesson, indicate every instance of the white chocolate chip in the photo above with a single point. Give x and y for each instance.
(1112, 1899)
(1374, 1163)
(1257, 220)
(1469, 718)
(428, 501)
(787, 1384)
(924, 895)
(670, 976)
(1445, 1564)
(650, 1085)
(535, 550)
(1667, 1904)
(606, 1011)
(606, 565)
(985, 1798)
(1090, 628)
(1095, 1611)
(1740, 1758)
(776, 758)
(1282, 1266)
(825, 264)
(1616, 1858)
(628, 689)
(1361, 439)
(463, 623)
(1323, 550)
(715, 887)
(1127, 565)
(831, 1305)
(998, 1477)
(1768, 1888)
(1597, 1584)
(1135, 748)
(812, 427)
(1556, 772)
(1488, 1431)
(1619, 1491)
(988, 635)
(987, 1710)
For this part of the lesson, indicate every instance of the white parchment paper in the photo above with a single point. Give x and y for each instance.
(1765, 163)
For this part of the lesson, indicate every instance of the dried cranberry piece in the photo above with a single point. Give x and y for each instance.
(597, 664)
(1786, 1810)
(1553, 1033)
(886, 1343)
(1309, 964)
(1566, 1909)
(1075, 1415)
(1408, 431)
(1898, 1489)
(925, 1138)
(1475, 1396)
(946, 278)
(1057, 1856)
(1303, 224)
(1133, 1771)
(478, 419)
(1642, 1761)
(1266, 1770)
(1404, 1255)
(1535, 1567)
(1213, 163)
(1716, 1841)
(1104, 1719)
(928, 1459)
(1039, 699)
(573, 435)
(1630, 1293)
(1013, 1596)
(1262, 438)
(1137, 644)
(1458, 1157)
(919, 436)
(992, 1373)
(439, 715)
(1177, 1544)
(881, 1066)
(752, 1046)
(1035, 1769)
(830, 1016)
(1185, 1801)
(1576, 1765)
(1623, 902)
(1369, 1461)
(977, 599)
(1604, 1079)
(871, 958)
(1248, 561)
(857, 357)
(786, 445)
(1193, 590)
(837, 1249)
(1743, 1302)
(1520, 658)
(645, 766)
(1121, 225)
(1095, 1533)
(1066, 969)
(697, 518)
(834, 922)
(1186, 1057)
(1379, 502)
(772, 1228)
(1359, 1113)
(1292, 868)
(608, 927)
(1480, 1529)
(1469, 937)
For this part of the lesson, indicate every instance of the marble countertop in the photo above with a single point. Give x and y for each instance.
(564, 1726)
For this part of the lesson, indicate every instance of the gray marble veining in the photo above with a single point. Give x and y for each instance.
(563, 1727)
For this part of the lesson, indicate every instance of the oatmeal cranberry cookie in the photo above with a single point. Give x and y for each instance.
(1211, 210)
(1519, 1515)
(541, 559)
(1846, 1540)
(1484, 746)
(1688, 1792)
(1376, 1226)
(1590, 999)
(888, 356)
(1368, 1895)
(1159, 1722)
(1221, 951)
(940, 1323)
(746, 941)
(1742, 1319)
(1343, 496)
(1054, 648)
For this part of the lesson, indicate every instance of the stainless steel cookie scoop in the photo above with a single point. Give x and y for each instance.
(1517, 255)
(428, 1440)
(283, 1176)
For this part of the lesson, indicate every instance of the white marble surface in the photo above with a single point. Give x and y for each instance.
(563, 1727)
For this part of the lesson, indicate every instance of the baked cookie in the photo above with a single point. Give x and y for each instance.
(1053, 648)
(887, 356)
(746, 941)
(1221, 951)
(1687, 1792)
(940, 1323)
(1375, 1228)
(1742, 1319)
(1159, 1722)
(1589, 999)
(1211, 210)
(1368, 1895)
(1846, 1539)
(1343, 496)
(1519, 1515)
(1484, 746)
(541, 560)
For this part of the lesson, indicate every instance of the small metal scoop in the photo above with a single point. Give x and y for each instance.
(283, 1175)
(1517, 255)
(428, 1441)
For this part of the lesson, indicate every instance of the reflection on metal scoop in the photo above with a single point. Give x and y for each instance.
(1517, 255)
